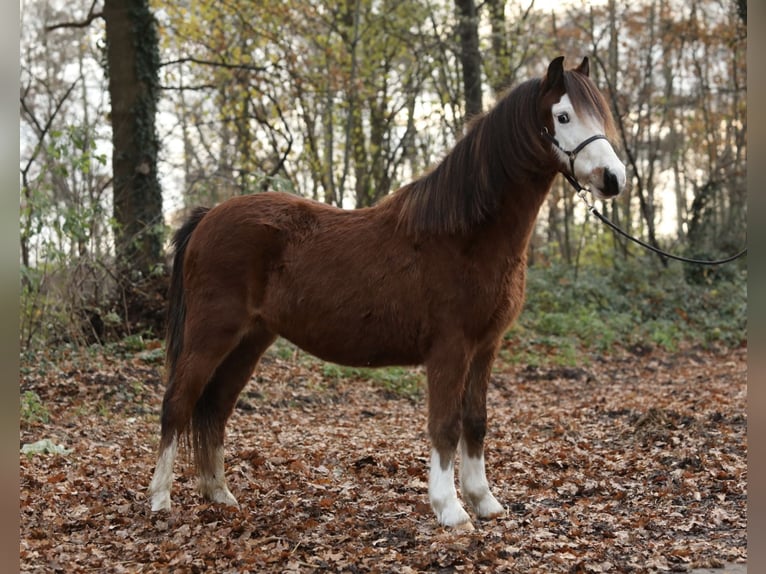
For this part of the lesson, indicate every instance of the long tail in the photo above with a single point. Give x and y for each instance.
(174, 336)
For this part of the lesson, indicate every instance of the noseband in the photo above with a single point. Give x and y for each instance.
(572, 155)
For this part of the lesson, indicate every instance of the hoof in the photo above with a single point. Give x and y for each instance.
(221, 495)
(160, 501)
(464, 527)
(453, 515)
(488, 507)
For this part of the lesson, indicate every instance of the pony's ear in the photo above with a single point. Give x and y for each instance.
(584, 67)
(554, 77)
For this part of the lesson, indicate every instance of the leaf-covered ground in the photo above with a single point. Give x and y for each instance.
(627, 463)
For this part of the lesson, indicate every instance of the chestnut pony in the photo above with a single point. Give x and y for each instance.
(433, 275)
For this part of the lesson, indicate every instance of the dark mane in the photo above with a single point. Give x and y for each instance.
(501, 150)
(466, 187)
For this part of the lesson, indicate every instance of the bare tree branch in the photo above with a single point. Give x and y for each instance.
(201, 62)
(42, 130)
(92, 15)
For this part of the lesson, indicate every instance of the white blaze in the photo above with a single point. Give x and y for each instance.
(594, 158)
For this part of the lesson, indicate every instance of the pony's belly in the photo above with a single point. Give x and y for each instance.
(352, 337)
(359, 355)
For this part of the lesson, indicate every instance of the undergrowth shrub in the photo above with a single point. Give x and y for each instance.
(634, 303)
(33, 409)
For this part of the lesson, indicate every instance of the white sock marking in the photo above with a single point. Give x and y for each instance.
(159, 488)
(213, 487)
(474, 485)
(441, 491)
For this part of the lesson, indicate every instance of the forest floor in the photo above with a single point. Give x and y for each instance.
(632, 462)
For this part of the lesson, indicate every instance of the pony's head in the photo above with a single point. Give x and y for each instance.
(577, 123)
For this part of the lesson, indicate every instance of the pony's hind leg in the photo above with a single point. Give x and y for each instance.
(214, 408)
(190, 373)
(159, 488)
(184, 388)
(473, 478)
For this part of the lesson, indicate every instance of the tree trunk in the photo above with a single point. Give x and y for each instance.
(470, 58)
(500, 71)
(742, 10)
(133, 63)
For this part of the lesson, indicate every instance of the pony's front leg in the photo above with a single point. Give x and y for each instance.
(445, 386)
(475, 487)
(442, 493)
(473, 477)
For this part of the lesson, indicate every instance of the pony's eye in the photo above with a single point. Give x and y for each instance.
(563, 118)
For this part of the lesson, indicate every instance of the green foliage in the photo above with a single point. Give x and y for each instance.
(51, 228)
(399, 381)
(141, 345)
(60, 239)
(32, 408)
(133, 343)
(283, 349)
(633, 303)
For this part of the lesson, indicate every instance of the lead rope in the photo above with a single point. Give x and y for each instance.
(581, 193)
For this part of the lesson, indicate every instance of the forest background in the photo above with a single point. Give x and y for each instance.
(133, 112)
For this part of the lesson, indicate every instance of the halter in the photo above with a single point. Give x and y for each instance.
(581, 193)
(572, 155)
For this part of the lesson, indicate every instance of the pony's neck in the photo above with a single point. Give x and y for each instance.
(501, 164)
(516, 217)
